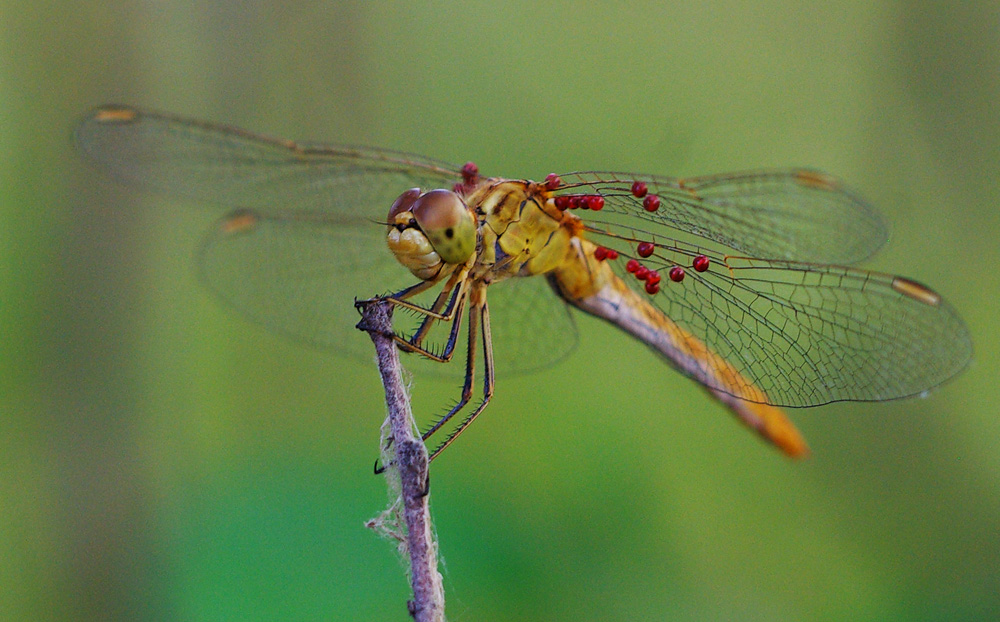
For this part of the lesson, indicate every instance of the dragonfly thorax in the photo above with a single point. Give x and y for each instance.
(523, 233)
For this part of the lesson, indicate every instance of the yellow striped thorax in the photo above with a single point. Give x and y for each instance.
(522, 232)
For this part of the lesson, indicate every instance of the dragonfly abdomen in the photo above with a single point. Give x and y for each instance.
(591, 286)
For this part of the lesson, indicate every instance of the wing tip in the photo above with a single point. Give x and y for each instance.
(114, 113)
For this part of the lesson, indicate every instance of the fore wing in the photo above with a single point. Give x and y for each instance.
(231, 167)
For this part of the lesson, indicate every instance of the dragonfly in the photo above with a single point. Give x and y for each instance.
(743, 282)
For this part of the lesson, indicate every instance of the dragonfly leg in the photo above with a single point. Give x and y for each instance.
(483, 311)
(400, 298)
(403, 294)
(434, 311)
(413, 343)
(434, 314)
(453, 293)
(449, 349)
(470, 374)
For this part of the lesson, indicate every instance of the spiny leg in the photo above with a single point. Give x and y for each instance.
(400, 299)
(412, 343)
(460, 296)
(456, 307)
(403, 294)
(470, 374)
(475, 315)
(489, 382)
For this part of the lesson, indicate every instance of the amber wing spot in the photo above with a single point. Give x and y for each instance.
(241, 221)
(916, 291)
(682, 184)
(116, 115)
(816, 180)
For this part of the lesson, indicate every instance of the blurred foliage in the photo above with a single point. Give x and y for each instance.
(163, 460)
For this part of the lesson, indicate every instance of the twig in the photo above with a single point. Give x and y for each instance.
(411, 464)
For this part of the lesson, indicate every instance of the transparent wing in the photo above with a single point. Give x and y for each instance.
(532, 326)
(304, 241)
(805, 334)
(792, 214)
(231, 167)
(298, 275)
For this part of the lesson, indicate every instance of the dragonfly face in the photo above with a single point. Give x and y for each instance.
(739, 281)
(430, 231)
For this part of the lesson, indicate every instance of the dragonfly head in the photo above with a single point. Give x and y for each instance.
(426, 230)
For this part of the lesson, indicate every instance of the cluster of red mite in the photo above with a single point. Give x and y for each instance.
(651, 203)
(595, 202)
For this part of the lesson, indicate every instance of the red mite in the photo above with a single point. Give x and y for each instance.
(652, 288)
(676, 274)
(595, 202)
(651, 203)
(639, 189)
(700, 263)
(602, 252)
(631, 266)
(470, 172)
(642, 273)
(645, 249)
(552, 181)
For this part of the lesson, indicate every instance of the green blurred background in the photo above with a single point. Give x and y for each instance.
(162, 459)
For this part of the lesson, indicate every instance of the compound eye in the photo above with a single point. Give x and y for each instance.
(447, 223)
(403, 203)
